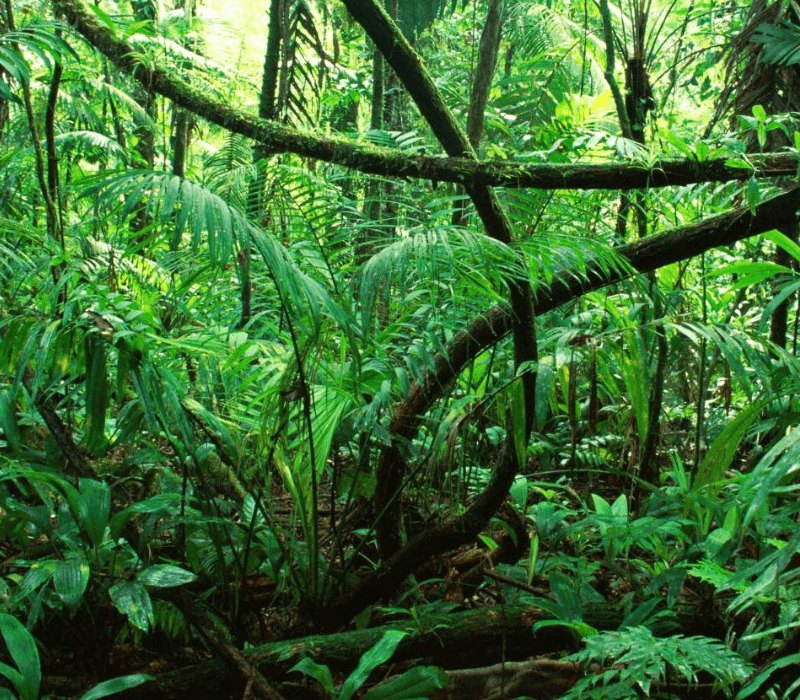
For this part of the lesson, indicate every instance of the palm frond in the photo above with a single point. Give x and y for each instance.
(441, 254)
(554, 44)
(92, 141)
(187, 210)
(42, 40)
(229, 170)
(302, 64)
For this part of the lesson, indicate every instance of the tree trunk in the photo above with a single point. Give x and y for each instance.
(487, 62)
(779, 325)
(479, 94)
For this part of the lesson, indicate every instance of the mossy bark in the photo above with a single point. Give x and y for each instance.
(279, 138)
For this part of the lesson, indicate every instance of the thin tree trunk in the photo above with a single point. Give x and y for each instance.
(779, 324)
(267, 108)
(487, 62)
(488, 51)
(180, 141)
(406, 64)
(46, 171)
(369, 237)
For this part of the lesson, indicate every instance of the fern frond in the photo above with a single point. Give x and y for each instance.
(440, 253)
(635, 660)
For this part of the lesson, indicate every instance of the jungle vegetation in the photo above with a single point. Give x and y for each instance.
(402, 349)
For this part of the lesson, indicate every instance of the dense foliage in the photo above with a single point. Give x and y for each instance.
(270, 366)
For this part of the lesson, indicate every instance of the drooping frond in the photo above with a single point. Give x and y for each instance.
(18, 270)
(781, 42)
(446, 254)
(192, 213)
(91, 142)
(229, 170)
(40, 40)
(563, 54)
(318, 217)
(303, 63)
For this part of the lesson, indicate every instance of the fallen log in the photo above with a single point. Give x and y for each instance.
(538, 678)
(460, 640)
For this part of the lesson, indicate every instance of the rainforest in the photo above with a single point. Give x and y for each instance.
(399, 349)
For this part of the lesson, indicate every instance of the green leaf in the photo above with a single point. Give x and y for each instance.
(601, 506)
(738, 163)
(22, 649)
(752, 192)
(722, 451)
(96, 508)
(14, 676)
(754, 684)
(40, 572)
(371, 659)
(415, 16)
(717, 545)
(773, 467)
(519, 492)
(763, 588)
(566, 597)
(70, 580)
(633, 369)
(619, 508)
(166, 502)
(640, 614)
(781, 43)
(165, 576)
(783, 241)
(581, 629)
(680, 145)
(419, 682)
(116, 685)
(750, 273)
(8, 420)
(133, 601)
(97, 393)
(320, 673)
(491, 545)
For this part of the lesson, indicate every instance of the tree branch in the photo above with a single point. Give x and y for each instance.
(278, 138)
(645, 255)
